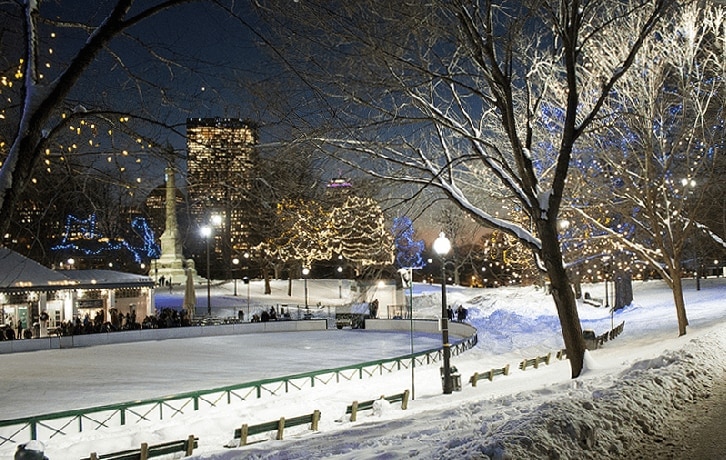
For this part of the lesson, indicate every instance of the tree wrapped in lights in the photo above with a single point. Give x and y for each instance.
(360, 234)
(82, 237)
(408, 250)
(304, 232)
(507, 260)
(662, 145)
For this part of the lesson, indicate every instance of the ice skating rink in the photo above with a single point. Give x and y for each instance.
(47, 381)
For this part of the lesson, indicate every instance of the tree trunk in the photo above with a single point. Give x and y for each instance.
(563, 296)
(623, 290)
(266, 277)
(680, 303)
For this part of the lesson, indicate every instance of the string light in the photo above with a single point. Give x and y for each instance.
(84, 231)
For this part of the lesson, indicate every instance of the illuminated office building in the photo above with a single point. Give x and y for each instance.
(221, 160)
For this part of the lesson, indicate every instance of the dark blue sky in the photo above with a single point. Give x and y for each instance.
(194, 60)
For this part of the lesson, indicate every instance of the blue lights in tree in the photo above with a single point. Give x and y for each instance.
(81, 236)
(408, 251)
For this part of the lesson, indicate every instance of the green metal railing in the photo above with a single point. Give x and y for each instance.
(54, 424)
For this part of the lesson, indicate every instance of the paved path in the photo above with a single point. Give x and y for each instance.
(697, 432)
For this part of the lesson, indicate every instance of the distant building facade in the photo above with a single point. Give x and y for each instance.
(221, 168)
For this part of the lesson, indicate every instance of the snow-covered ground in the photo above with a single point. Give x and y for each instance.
(626, 395)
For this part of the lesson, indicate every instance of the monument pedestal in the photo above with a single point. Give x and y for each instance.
(167, 270)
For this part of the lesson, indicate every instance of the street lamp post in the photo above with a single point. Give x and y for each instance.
(442, 246)
(306, 272)
(235, 262)
(247, 280)
(207, 233)
(340, 282)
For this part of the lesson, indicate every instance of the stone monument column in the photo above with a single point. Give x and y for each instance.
(170, 268)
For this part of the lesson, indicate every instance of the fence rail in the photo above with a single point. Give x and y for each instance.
(48, 426)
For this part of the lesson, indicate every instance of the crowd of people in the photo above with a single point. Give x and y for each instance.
(165, 318)
(98, 323)
(271, 315)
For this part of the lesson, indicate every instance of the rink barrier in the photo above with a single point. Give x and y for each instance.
(279, 425)
(145, 451)
(56, 342)
(47, 426)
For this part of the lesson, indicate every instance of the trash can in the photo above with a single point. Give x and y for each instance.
(33, 450)
(455, 378)
(590, 339)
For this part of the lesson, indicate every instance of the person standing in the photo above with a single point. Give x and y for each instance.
(20, 328)
(44, 318)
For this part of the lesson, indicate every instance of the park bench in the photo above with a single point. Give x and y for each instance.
(368, 405)
(535, 362)
(145, 451)
(246, 430)
(488, 374)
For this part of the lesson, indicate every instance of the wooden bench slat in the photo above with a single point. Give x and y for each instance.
(263, 427)
(368, 405)
(147, 451)
(276, 425)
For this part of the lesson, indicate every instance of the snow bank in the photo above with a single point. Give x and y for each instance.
(604, 423)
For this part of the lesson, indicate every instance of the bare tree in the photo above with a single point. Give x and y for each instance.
(451, 94)
(98, 80)
(662, 145)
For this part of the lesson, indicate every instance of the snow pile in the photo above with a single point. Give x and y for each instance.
(586, 421)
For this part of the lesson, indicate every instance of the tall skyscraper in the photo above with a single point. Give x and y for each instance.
(221, 162)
